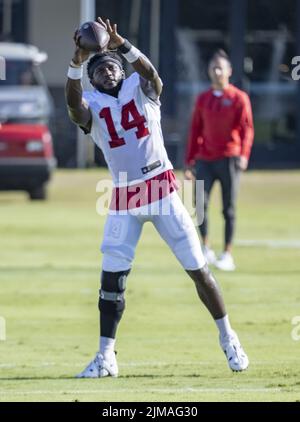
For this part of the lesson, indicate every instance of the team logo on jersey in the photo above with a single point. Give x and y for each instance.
(151, 167)
(227, 102)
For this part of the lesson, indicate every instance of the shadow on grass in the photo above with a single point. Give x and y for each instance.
(31, 378)
(261, 272)
(48, 267)
(121, 377)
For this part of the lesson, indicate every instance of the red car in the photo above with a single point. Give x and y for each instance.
(26, 158)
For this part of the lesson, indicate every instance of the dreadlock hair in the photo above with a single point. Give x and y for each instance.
(101, 57)
(220, 54)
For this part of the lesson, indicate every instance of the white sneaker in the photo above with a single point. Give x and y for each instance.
(236, 357)
(225, 262)
(100, 367)
(209, 255)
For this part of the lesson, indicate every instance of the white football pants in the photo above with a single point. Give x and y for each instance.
(172, 221)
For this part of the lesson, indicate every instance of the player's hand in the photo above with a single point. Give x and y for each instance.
(115, 39)
(243, 163)
(80, 55)
(188, 175)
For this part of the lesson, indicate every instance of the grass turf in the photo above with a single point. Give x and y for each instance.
(167, 344)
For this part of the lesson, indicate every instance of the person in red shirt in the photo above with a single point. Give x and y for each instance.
(219, 145)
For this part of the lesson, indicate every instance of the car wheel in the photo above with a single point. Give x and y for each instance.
(38, 193)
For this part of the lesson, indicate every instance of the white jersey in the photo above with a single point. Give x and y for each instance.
(128, 131)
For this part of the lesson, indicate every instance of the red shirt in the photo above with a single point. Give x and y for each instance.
(222, 126)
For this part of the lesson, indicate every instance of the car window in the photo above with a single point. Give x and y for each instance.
(21, 72)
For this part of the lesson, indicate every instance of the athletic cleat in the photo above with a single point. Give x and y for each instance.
(100, 367)
(209, 255)
(225, 262)
(237, 359)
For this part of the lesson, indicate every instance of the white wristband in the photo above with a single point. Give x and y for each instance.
(75, 72)
(133, 55)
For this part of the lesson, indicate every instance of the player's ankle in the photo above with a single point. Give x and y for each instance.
(224, 327)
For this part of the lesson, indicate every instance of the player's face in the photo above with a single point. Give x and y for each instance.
(219, 71)
(107, 75)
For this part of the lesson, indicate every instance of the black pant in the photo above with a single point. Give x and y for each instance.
(228, 173)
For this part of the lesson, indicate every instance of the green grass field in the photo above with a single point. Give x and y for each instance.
(167, 345)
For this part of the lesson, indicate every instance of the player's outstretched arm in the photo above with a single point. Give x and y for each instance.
(150, 81)
(78, 109)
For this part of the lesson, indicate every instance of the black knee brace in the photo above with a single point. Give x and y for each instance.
(111, 301)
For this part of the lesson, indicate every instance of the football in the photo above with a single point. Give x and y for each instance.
(92, 36)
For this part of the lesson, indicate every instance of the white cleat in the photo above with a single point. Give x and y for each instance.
(209, 255)
(100, 367)
(225, 262)
(237, 359)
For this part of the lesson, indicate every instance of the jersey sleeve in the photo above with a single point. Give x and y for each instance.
(133, 81)
(246, 126)
(195, 132)
(147, 92)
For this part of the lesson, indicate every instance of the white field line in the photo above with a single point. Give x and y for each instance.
(270, 243)
(126, 364)
(135, 364)
(145, 390)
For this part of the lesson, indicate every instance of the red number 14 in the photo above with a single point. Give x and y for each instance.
(129, 110)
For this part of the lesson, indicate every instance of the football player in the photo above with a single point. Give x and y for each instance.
(123, 117)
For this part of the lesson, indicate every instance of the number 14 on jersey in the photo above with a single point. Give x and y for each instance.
(131, 118)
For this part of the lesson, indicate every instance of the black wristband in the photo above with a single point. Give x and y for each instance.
(124, 48)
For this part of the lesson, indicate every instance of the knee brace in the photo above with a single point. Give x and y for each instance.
(111, 294)
(111, 301)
